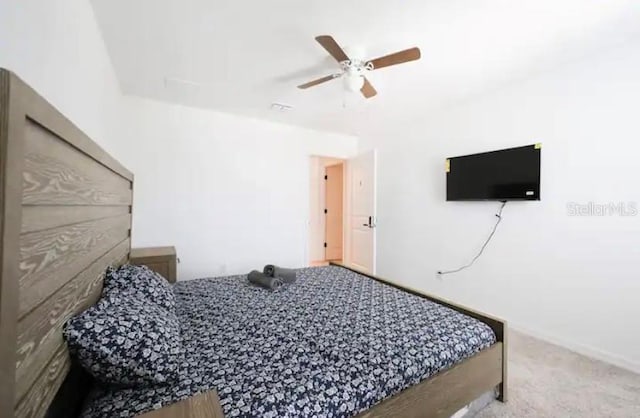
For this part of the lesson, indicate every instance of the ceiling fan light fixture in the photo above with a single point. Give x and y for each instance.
(354, 69)
(354, 82)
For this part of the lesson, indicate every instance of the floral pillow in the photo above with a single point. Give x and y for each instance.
(126, 342)
(139, 282)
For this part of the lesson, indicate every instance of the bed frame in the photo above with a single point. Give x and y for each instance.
(445, 393)
(65, 215)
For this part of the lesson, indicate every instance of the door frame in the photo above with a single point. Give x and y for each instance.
(347, 197)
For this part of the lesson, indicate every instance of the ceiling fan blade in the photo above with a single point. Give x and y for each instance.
(318, 81)
(407, 55)
(367, 90)
(332, 47)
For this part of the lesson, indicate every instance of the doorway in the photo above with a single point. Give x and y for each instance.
(348, 228)
(334, 213)
(327, 204)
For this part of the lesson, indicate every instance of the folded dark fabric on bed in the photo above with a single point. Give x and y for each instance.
(262, 280)
(287, 275)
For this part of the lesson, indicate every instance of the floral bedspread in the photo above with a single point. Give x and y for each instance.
(332, 344)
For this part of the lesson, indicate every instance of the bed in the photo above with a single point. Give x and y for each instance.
(66, 216)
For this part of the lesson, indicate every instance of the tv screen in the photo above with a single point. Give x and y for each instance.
(509, 174)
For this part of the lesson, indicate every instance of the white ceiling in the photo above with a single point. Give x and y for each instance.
(240, 56)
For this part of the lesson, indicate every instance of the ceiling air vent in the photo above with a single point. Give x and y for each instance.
(280, 107)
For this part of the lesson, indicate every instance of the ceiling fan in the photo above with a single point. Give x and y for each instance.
(354, 70)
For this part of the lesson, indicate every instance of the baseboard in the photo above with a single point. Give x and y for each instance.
(585, 350)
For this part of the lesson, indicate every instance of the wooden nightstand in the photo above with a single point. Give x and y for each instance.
(159, 259)
(204, 405)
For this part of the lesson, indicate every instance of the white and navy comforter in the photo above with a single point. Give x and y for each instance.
(331, 345)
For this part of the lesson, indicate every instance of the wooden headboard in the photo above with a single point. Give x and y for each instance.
(65, 215)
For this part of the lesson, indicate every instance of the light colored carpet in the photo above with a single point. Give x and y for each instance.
(549, 381)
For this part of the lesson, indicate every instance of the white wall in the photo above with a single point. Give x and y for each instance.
(231, 193)
(574, 280)
(57, 48)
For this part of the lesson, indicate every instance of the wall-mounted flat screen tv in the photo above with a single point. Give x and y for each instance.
(508, 174)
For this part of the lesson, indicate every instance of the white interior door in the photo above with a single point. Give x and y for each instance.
(362, 212)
